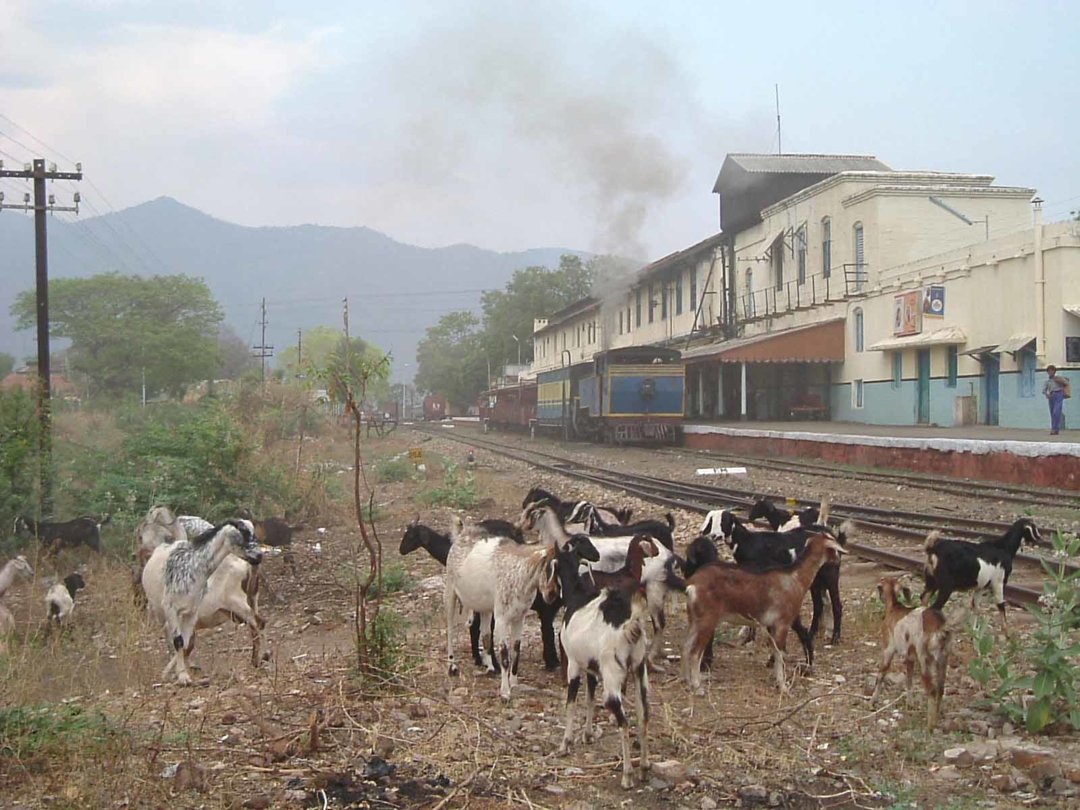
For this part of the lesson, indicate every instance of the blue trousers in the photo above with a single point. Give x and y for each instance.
(1057, 400)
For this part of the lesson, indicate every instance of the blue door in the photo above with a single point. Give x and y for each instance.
(991, 367)
(923, 410)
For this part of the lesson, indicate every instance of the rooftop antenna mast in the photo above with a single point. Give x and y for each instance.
(779, 143)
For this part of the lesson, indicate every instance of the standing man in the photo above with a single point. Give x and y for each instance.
(1054, 390)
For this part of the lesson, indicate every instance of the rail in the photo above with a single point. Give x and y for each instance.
(803, 293)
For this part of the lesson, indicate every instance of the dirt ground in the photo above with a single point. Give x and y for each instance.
(305, 731)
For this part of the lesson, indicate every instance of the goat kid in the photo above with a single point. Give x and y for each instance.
(438, 546)
(957, 565)
(771, 597)
(54, 537)
(603, 636)
(60, 598)
(915, 634)
(182, 570)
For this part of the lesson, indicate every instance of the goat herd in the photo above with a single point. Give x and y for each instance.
(611, 577)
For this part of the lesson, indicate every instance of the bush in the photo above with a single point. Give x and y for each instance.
(1037, 682)
(458, 489)
(395, 578)
(386, 654)
(394, 471)
(27, 731)
(18, 456)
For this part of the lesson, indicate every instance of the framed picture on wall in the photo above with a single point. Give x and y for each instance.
(1072, 350)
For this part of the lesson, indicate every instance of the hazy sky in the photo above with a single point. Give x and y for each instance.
(598, 126)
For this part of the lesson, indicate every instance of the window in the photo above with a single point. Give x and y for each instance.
(693, 289)
(652, 303)
(826, 247)
(857, 394)
(627, 317)
(1026, 360)
(678, 294)
(858, 324)
(663, 300)
(953, 355)
(778, 262)
(620, 320)
(860, 258)
(637, 307)
(897, 369)
(749, 291)
(800, 253)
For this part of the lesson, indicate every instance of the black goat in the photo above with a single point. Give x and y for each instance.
(778, 517)
(271, 531)
(589, 515)
(957, 565)
(80, 531)
(763, 549)
(438, 546)
(564, 508)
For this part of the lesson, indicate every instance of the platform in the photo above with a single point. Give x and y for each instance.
(1009, 455)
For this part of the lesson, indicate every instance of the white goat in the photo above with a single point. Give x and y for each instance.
(60, 598)
(492, 576)
(657, 575)
(176, 584)
(15, 571)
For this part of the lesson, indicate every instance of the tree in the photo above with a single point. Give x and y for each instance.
(7, 364)
(120, 326)
(323, 352)
(236, 357)
(451, 359)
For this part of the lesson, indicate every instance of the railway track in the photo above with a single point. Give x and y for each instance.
(1032, 496)
(702, 498)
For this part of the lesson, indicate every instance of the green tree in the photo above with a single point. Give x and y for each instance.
(7, 364)
(236, 357)
(120, 326)
(451, 359)
(323, 357)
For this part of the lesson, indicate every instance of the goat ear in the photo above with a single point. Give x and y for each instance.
(457, 526)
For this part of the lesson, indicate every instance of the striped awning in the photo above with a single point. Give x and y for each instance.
(949, 336)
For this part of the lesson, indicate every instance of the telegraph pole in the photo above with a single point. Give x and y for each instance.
(43, 202)
(262, 351)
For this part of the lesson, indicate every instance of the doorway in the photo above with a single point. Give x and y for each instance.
(923, 388)
(991, 371)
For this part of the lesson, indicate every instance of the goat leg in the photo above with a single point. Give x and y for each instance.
(642, 678)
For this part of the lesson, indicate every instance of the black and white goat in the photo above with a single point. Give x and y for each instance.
(781, 519)
(492, 576)
(176, 583)
(438, 545)
(658, 574)
(60, 598)
(565, 508)
(603, 636)
(54, 537)
(592, 519)
(957, 565)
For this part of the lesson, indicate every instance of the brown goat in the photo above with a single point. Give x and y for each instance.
(914, 633)
(271, 531)
(629, 576)
(771, 597)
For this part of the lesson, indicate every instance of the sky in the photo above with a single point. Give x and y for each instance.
(597, 126)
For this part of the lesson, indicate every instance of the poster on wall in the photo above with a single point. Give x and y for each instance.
(906, 310)
(933, 305)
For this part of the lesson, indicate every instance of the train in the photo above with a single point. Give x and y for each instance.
(632, 395)
(435, 409)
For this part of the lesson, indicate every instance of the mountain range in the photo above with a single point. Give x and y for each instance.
(395, 290)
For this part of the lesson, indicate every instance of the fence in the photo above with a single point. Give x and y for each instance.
(814, 290)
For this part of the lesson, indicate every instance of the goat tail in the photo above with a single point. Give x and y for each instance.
(823, 510)
(846, 529)
(54, 610)
(931, 539)
(670, 521)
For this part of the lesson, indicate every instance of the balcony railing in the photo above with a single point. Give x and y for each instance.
(847, 281)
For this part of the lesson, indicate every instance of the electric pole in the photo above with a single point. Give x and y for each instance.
(299, 352)
(37, 172)
(262, 351)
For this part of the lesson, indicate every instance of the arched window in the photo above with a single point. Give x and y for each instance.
(858, 325)
(800, 254)
(826, 247)
(860, 258)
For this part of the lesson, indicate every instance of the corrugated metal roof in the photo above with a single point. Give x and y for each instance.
(807, 164)
(950, 335)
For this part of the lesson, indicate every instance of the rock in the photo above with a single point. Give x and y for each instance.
(384, 746)
(555, 790)
(228, 719)
(1008, 729)
(979, 727)
(708, 803)
(1003, 782)
(297, 797)
(775, 798)
(190, 776)
(1072, 773)
(1037, 764)
(670, 770)
(754, 794)
(839, 680)
(573, 772)
(658, 784)
(1062, 787)
(948, 772)
(960, 757)
(418, 711)
(257, 803)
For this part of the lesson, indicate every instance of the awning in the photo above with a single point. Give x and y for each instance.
(1073, 310)
(816, 343)
(1015, 343)
(990, 349)
(950, 335)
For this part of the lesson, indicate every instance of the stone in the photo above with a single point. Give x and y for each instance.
(190, 776)
(257, 803)
(670, 770)
(1008, 729)
(1072, 773)
(708, 803)
(1062, 787)
(775, 798)
(228, 719)
(754, 794)
(949, 772)
(554, 790)
(658, 784)
(1003, 783)
(1037, 764)
(960, 757)
(979, 727)
(296, 797)
(573, 772)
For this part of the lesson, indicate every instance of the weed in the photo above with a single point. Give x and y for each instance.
(394, 471)
(49, 730)
(458, 489)
(387, 658)
(395, 578)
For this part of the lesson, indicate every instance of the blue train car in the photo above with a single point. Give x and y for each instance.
(632, 394)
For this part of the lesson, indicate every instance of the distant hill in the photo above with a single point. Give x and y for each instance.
(304, 271)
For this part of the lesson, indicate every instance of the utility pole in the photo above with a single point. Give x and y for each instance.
(37, 172)
(262, 351)
(299, 352)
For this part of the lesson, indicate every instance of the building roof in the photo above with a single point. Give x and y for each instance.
(821, 342)
(577, 308)
(804, 164)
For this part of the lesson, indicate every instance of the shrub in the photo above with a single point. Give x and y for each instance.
(386, 656)
(395, 578)
(458, 489)
(18, 455)
(48, 730)
(394, 471)
(1036, 681)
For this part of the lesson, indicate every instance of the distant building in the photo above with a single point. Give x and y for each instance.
(26, 378)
